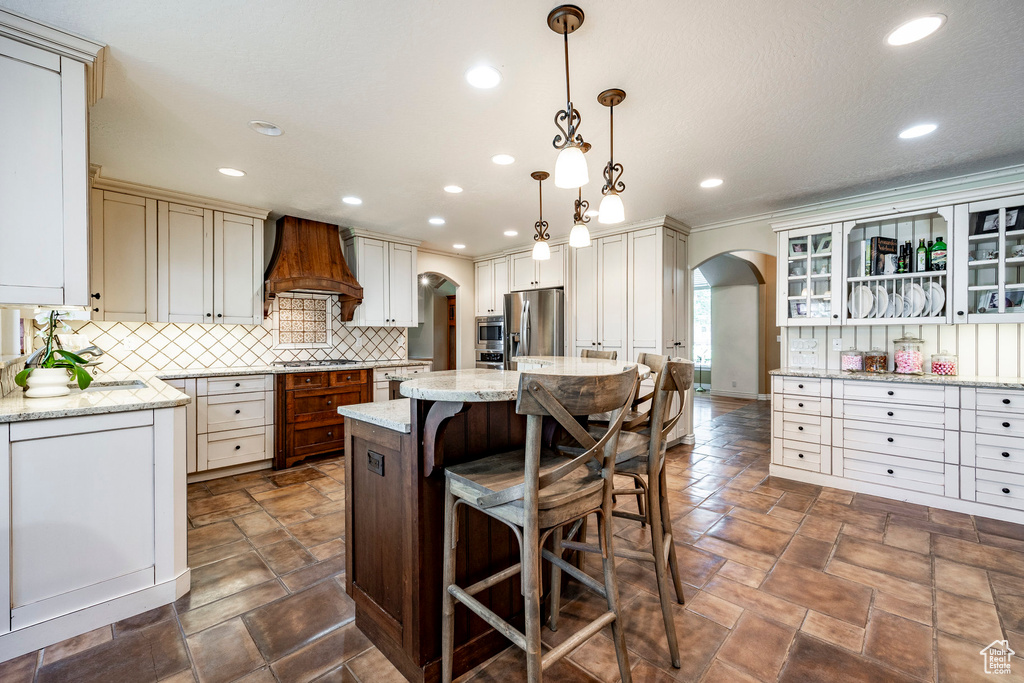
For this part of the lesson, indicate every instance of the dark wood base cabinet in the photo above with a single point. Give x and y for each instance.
(394, 492)
(306, 415)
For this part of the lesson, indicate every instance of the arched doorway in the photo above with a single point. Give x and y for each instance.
(435, 338)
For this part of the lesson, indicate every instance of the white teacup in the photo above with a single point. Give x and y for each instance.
(1018, 250)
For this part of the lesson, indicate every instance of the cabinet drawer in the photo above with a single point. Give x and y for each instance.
(242, 384)
(805, 456)
(326, 437)
(323, 405)
(1000, 401)
(800, 427)
(343, 378)
(906, 473)
(917, 394)
(806, 406)
(895, 415)
(800, 386)
(222, 412)
(1009, 425)
(999, 453)
(234, 447)
(999, 488)
(912, 442)
(384, 374)
(306, 380)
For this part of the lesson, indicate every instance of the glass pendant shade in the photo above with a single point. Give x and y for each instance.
(571, 168)
(541, 251)
(611, 209)
(579, 236)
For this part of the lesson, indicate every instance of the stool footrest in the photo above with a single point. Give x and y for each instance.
(621, 514)
(499, 624)
(619, 552)
(576, 639)
(575, 573)
(493, 580)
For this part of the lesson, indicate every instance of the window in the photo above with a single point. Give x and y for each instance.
(701, 320)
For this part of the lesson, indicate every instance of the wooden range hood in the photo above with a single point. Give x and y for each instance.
(307, 258)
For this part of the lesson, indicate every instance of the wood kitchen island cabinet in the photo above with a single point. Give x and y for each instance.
(306, 413)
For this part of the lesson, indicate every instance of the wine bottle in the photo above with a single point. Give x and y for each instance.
(928, 255)
(922, 258)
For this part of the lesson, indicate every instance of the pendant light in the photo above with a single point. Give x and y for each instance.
(579, 236)
(570, 167)
(611, 209)
(541, 250)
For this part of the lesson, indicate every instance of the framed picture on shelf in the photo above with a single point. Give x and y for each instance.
(988, 222)
(825, 245)
(798, 247)
(797, 309)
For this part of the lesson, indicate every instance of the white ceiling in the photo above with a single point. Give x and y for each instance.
(789, 101)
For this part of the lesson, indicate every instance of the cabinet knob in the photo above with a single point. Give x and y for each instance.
(328, 403)
(238, 384)
(890, 393)
(1006, 424)
(238, 448)
(238, 412)
(835, 315)
(800, 428)
(799, 386)
(890, 472)
(96, 310)
(220, 315)
(1006, 490)
(208, 315)
(593, 343)
(800, 405)
(307, 380)
(330, 433)
(1006, 401)
(889, 439)
(1005, 454)
(959, 312)
(96, 295)
(799, 455)
(889, 413)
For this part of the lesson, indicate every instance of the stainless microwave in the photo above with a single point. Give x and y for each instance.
(490, 332)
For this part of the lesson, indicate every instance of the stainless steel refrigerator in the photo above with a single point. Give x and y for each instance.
(534, 324)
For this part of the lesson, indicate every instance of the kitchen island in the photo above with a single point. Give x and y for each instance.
(394, 491)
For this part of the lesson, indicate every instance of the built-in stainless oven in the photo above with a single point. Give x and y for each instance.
(490, 358)
(490, 332)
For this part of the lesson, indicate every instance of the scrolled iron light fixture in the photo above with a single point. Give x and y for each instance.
(579, 236)
(570, 167)
(541, 250)
(611, 209)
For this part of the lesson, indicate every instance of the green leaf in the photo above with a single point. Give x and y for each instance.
(70, 356)
(83, 377)
(22, 377)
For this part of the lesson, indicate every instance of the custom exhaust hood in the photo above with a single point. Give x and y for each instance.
(307, 258)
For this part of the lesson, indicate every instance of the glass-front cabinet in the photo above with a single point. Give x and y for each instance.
(809, 294)
(991, 261)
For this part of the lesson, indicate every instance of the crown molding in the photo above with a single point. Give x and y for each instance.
(29, 31)
(352, 231)
(818, 211)
(128, 187)
(449, 254)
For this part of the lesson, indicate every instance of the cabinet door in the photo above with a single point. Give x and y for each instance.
(184, 263)
(611, 298)
(372, 272)
(123, 257)
(681, 299)
(237, 269)
(584, 298)
(524, 271)
(551, 273)
(645, 296)
(484, 287)
(500, 285)
(402, 294)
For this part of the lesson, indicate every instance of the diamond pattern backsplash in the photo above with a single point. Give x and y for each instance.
(160, 346)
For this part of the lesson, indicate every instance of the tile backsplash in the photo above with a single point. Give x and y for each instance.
(137, 346)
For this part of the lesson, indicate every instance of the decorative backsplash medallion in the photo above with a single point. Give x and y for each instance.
(302, 321)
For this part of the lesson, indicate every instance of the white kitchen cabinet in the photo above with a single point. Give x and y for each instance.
(599, 296)
(387, 273)
(491, 286)
(583, 274)
(234, 425)
(188, 387)
(646, 297)
(678, 316)
(237, 269)
(44, 185)
(988, 254)
(526, 273)
(123, 257)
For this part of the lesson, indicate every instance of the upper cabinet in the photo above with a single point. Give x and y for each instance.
(386, 270)
(491, 286)
(187, 261)
(811, 293)
(526, 273)
(989, 258)
(44, 183)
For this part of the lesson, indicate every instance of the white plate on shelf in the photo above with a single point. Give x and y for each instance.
(861, 302)
(917, 299)
(895, 309)
(881, 301)
(936, 298)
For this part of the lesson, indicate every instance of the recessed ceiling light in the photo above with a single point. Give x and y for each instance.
(483, 77)
(711, 182)
(354, 201)
(918, 131)
(266, 128)
(916, 29)
(437, 221)
(503, 159)
(458, 246)
(233, 172)
(511, 233)
(454, 189)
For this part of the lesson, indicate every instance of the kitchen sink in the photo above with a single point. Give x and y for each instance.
(115, 385)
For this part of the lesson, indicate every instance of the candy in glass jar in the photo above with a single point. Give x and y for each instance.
(876, 360)
(908, 356)
(944, 363)
(851, 360)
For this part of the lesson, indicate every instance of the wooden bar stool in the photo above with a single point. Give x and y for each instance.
(644, 462)
(594, 353)
(536, 491)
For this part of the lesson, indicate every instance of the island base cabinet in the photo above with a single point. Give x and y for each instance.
(93, 510)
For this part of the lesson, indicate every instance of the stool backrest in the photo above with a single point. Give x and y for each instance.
(594, 353)
(641, 422)
(676, 377)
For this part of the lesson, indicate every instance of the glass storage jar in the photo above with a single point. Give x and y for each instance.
(944, 363)
(908, 356)
(851, 360)
(876, 360)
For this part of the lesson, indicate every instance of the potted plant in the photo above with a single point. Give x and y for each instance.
(50, 372)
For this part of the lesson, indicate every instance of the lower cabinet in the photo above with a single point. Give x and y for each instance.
(307, 412)
(382, 379)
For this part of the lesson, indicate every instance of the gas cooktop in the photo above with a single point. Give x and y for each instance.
(313, 363)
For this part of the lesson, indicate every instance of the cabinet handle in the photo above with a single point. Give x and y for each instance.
(238, 412)
(96, 310)
(1005, 454)
(238, 448)
(800, 428)
(1006, 490)
(1006, 424)
(889, 439)
(220, 315)
(330, 433)
(593, 343)
(308, 380)
(835, 315)
(238, 384)
(959, 312)
(208, 315)
(890, 393)
(1006, 401)
(799, 386)
(890, 472)
(799, 455)
(889, 413)
(800, 405)
(96, 295)
(328, 403)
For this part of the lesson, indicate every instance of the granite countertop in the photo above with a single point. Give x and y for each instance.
(396, 414)
(956, 380)
(190, 373)
(150, 395)
(11, 360)
(482, 385)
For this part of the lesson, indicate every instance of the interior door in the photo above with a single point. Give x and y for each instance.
(611, 300)
(584, 301)
(237, 290)
(484, 288)
(124, 253)
(402, 290)
(185, 263)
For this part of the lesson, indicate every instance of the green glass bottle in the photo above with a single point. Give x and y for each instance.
(928, 255)
(922, 257)
(939, 254)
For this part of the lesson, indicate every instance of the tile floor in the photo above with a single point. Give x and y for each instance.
(784, 582)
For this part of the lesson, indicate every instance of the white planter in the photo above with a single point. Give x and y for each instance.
(47, 383)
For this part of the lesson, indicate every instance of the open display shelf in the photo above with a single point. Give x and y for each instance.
(995, 262)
